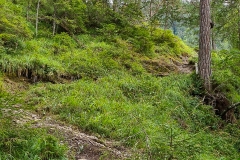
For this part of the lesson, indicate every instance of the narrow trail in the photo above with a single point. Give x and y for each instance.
(81, 146)
(184, 66)
(162, 66)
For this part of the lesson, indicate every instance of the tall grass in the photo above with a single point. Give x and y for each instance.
(112, 96)
(45, 59)
(157, 117)
(23, 141)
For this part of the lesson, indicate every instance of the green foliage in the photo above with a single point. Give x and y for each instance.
(226, 17)
(99, 15)
(31, 66)
(167, 43)
(112, 96)
(170, 11)
(132, 13)
(24, 142)
(139, 38)
(108, 31)
(71, 15)
(11, 21)
(141, 41)
(68, 16)
(96, 14)
(226, 73)
(62, 43)
(13, 27)
(48, 147)
(142, 112)
(50, 60)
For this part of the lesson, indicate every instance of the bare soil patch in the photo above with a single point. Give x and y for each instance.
(164, 66)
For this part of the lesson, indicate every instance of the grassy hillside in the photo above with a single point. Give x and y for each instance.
(122, 83)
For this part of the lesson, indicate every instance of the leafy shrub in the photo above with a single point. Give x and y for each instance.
(140, 39)
(226, 73)
(168, 43)
(63, 43)
(12, 22)
(131, 12)
(108, 31)
(10, 42)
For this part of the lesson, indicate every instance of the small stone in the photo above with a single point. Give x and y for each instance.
(17, 105)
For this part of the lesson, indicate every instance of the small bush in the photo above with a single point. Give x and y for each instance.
(63, 43)
(140, 39)
(167, 43)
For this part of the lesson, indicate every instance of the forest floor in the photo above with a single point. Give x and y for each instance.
(81, 145)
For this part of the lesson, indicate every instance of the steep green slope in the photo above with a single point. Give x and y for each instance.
(157, 116)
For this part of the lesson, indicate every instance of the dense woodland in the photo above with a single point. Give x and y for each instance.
(117, 79)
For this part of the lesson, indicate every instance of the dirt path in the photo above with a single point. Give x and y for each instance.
(81, 146)
(184, 66)
(163, 66)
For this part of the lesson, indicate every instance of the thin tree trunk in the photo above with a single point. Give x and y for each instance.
(38, 5)
(239, 27)
(204, 63)
(54, 20)
(115, 5)
(28, 6)
(165, 4)
(150, 9)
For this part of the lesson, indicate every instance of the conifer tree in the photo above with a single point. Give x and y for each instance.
(204, 63)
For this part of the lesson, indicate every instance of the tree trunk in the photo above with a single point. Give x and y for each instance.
(165, 4)
(38, 4)
(150, 9)
(239, 27)
(115, 5)
(54, 19)
(28, 6)
(204, 63)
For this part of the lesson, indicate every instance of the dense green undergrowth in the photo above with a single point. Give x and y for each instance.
(227, 73)
(110, 45)
(62, 57)
(21, 141)
(158, 116)
(96, 80)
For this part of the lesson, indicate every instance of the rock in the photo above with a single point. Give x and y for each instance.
(17, 105)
